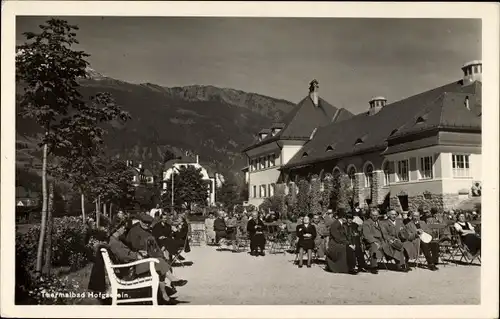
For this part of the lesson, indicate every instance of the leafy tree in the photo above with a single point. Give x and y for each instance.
(342, 192)
(303, 199)
(228, 195)
(327, 192)
(315, 196)
(189, 189)
(48, 69)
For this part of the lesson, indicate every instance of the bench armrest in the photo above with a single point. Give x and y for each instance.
(137, 262)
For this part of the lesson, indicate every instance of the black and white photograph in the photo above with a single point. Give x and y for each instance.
(190, 160)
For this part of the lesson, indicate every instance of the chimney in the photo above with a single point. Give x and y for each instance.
(473, 71)
(313, 91)
(376, 104)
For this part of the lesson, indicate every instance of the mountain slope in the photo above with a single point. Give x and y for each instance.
(212, 122)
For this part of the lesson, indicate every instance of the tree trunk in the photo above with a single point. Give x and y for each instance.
(83, 207)
(110, 211)
(48, 242)
(98, 212)
(43, 224)
(104, 210)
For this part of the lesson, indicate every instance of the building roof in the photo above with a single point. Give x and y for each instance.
(300, 122)
(182, 159)
(438, 108)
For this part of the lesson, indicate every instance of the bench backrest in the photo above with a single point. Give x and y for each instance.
(108, 265)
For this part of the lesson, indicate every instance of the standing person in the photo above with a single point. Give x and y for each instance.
(341, 256)
(322, 234)
(306, 234)
(328, 218)
(209, 229)
(431, 250)
(255, 229)
(354, 236)
(220, 228)
(243, 224)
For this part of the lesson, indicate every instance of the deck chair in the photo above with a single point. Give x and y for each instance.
(116, 283)
(279, 244)
(459, 249)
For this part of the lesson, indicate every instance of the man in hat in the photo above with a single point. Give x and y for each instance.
(255, 228)
(340, 257)
(392, 232)
(374, 240)
(354, 236)
(140, 239)
(125, 255)
(430, 250)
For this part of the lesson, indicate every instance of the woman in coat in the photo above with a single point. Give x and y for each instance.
(306, 233)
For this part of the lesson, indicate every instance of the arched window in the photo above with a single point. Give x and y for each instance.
(352, 175)
(387, 173)
(336, 171)
(368, 175)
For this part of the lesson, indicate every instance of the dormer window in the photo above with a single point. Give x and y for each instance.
(305, 154)
(420, 120)
(329, 148)
(358, 141)
(393, 132)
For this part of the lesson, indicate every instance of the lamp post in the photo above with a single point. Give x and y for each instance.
(172, 178)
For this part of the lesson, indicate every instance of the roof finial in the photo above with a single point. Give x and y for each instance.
(313, 85)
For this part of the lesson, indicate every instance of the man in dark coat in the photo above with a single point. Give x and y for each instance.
(430, 250)
(220, 228)
(353, 231)
(255, 228)
(340, 257)
(392, 229)
(374, 240)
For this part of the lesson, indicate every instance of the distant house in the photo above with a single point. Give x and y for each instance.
(26, 198)
(214, 179)
(141, 175)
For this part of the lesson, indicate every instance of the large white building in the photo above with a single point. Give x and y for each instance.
(214, 179)
(422, 150)
(276, 146)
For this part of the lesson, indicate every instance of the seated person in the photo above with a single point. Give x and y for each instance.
(374, 241)
(306, 233)
(341, 248)
(125, 255)
(391, 231)
(414, 229)
(476, 189)
(209, 229)
(220, 227)
(140, 239)
(353, 231)
(180, 230)
(468, 235)
(255, 228)
(162, 232)
(232, 230)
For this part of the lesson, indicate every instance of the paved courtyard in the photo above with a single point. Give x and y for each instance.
(226, 278)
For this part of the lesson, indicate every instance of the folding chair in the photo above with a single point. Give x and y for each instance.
(459, 249)
(279, 244)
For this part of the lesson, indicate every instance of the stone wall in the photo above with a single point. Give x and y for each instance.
(359, 185)
(440, 201)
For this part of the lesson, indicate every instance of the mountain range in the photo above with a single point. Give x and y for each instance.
(214, 123)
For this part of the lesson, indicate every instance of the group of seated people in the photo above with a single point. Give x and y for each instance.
(347, 237)
(135, 238)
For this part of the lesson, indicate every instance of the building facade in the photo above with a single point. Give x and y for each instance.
(277, 145)
(422, 150)
(213, 179)
(140, 174)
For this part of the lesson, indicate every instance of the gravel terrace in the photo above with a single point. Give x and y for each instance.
(226, 278)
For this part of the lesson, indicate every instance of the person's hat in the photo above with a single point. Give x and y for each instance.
(349, 216)
(145, 218)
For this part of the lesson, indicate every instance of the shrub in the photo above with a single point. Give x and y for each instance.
(47, 290)
(70, 239)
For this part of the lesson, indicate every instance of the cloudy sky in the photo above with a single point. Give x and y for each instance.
(353, 59)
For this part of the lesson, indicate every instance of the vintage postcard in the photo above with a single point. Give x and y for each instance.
(249, 160)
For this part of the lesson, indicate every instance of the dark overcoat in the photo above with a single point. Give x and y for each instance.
(337, 248)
